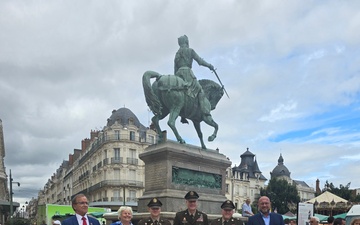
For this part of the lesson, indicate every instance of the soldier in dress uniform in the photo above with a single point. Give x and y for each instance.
(154, 208)
(191, 216)
(227, 211)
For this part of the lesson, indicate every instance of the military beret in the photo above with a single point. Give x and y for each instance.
(154, 203)
(228, 205)
(191, 195)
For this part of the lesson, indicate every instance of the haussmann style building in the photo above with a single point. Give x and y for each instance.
(107, 168)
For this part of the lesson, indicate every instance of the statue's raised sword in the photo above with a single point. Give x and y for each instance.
(214, 70)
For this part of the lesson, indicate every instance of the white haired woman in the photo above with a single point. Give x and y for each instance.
(125, 215)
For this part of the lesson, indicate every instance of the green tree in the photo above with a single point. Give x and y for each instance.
(341, 191)
(281, 194)
(355, 198)
(18, 221)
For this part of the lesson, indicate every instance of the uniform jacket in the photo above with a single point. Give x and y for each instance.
(184, 218)
(148, 221)
(275, 219)
(73, 221)
(231, 221)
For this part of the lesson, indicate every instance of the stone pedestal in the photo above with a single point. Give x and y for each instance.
(173, 169)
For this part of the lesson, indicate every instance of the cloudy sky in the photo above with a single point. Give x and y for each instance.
(291, 69)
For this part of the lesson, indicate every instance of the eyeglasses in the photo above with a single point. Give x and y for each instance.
(82, 203)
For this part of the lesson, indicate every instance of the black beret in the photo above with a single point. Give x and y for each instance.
(154, 203)
(228, 205)
(191, 195)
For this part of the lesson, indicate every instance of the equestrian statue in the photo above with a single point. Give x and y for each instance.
(183, 95)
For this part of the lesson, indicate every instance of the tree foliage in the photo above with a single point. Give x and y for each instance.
(341, 191)
(18, 221)
(281, 194)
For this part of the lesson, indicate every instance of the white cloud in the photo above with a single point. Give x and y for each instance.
(281, 111)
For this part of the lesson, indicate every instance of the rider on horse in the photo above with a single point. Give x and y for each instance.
(183, 64)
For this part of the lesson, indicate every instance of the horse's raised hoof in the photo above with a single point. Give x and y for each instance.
(182, 141)
(212, 137)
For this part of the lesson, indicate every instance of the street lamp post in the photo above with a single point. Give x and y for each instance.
(11, 197)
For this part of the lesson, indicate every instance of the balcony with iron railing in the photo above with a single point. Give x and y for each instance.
(115, 183)
(117, 199)
(115, 137)
(131, 199)
(116, 160)
(132, 161)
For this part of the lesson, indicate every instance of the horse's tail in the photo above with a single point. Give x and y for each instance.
(151, 98)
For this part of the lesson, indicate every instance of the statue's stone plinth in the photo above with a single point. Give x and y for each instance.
(173, 169)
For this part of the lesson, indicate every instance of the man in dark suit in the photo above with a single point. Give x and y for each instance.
(227, 211)
(191, 216)
(80, 205)
(265, 217)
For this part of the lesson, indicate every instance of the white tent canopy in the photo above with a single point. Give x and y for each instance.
(327, 197)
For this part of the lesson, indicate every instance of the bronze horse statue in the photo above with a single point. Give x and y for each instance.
(167, 95)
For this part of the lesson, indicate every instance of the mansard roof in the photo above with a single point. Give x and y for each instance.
(248, 165)
(301, 183)
(123, 116)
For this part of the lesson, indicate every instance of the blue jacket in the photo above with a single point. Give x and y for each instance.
(119, 223)
(73, 221)
(275, 219)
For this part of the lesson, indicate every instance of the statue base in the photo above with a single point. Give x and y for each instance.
(173, 169)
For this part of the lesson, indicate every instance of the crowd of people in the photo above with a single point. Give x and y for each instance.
(192, 216)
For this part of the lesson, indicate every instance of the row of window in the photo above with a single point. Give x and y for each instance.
(132, 153)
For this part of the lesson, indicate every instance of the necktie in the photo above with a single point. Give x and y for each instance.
(84, 221)
(156, 222)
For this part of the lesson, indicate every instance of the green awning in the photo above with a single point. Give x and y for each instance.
(289, 217)
(321, 217)
(97, 214)
(342, 216)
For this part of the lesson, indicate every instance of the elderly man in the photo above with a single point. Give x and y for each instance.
(314, 220)
(154, 208)
(265, 217)
(227, 211)
(191, 216)
(246, 209)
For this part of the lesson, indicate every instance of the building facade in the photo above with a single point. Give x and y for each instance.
(107, 168)
(280, 171)
(244, 181)
(4, 191)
